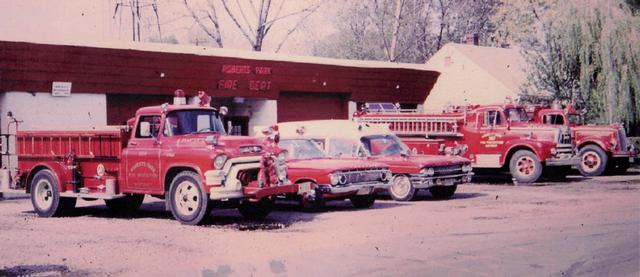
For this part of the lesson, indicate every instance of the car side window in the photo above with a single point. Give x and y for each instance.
(153, 122)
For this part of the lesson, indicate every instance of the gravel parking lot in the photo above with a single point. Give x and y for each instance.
(585, 226)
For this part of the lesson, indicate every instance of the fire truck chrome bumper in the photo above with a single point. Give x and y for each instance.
(575, 160)
(227, 177)
(422, 182)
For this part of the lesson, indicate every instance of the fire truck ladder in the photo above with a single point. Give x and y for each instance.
(423, 126)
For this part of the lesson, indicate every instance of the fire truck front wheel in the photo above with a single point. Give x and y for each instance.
(401, 188)
(525, 167)
(45, 195)
(188, 201)
(593, 161)
(256, 210)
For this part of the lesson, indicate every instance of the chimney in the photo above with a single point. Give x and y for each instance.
(472, 39)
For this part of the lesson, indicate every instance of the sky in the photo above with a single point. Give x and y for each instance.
(96, 20)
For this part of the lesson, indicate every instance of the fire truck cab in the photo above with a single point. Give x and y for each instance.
(496, 136)
(177, 152)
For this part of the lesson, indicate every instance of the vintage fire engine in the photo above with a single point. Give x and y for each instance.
(601, 147)
(492, 136)
(177, 152)
(322, 178)
(411, 172)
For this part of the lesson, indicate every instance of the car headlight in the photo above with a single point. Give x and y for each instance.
(467, 168)
(338, 179)
(428, 171)
(219, 161)
(385, 176)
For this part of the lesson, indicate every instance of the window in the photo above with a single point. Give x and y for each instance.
(554, 119)
(184, 122)
(492, 118)
(154, 126)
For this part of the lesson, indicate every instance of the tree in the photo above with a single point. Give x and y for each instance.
(589, 55)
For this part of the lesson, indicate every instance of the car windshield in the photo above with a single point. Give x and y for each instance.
(185, 122)
(383, 145)
(301, 149)
(516, 115)
(344, 148)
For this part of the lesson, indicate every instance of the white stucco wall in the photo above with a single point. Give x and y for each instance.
(43, 111)
(351, 108)
(262, 113)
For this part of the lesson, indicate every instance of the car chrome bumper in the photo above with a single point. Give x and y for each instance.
(419, 181)
(358, 188)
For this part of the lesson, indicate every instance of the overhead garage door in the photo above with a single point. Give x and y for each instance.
(296, 106)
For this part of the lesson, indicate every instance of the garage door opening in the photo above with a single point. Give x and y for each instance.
(297, 106)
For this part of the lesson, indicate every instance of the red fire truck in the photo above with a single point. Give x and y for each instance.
(491, 136)
(177, 152)
(601, 147)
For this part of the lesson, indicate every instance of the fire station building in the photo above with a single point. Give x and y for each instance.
(58, 85)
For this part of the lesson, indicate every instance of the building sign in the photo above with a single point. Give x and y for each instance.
(61, 89)
(251, 84)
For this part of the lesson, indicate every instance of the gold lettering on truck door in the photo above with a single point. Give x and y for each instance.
(492, 140)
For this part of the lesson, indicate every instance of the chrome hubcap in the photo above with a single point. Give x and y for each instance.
(400, 186)
(187, 198)
(44, 194)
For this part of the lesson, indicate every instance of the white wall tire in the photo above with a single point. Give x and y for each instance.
(188, 202)
(45, 195)
(401, 188)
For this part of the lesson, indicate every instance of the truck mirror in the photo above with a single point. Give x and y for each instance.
(145, 129)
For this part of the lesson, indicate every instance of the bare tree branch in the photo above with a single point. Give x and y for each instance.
(214, 19)
(290, 31)
(235, 21)
(244, 16)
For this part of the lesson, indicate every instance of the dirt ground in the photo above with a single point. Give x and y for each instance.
(585, 226)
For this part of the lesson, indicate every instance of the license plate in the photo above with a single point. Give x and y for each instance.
(304, 188)
(364, 191)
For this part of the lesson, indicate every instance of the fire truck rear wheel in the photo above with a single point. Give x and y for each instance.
(363, 201)
(130, 203)
(401, 188)
(189, 203)
(593, 161)
(256, 210)
(443, 192)
(45, 195)
(525, 167)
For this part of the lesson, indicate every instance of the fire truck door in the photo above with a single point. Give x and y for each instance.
(143, 157)
(489, 138)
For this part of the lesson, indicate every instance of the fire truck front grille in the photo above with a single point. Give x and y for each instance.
(363, 176)
(564, 138)
(447, 170)
(622, 139)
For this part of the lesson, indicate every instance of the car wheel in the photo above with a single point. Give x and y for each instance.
(525, 167)
(256, 210)
(401, 188)
(45, 195)
(363, 201)
(443, 192)
(188, 202)
(593, 161)
(128, 204)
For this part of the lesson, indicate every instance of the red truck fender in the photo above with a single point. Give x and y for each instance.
(57, 169)
(518, 145)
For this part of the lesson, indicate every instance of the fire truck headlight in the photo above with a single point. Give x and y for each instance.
(219, 161)
(448, 151)
(463, 149)
(427, 171)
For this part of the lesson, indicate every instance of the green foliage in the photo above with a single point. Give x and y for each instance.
(589, 55)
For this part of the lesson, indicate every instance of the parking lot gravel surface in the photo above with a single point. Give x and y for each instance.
(581, 226)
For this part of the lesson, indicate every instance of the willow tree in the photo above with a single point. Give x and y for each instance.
(589, 55)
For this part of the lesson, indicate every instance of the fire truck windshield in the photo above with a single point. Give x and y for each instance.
(383, 145)
(185, 122)
(516, 115)
(301, 149)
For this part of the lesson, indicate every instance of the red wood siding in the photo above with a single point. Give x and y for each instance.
(33, 67)
(297, 106)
